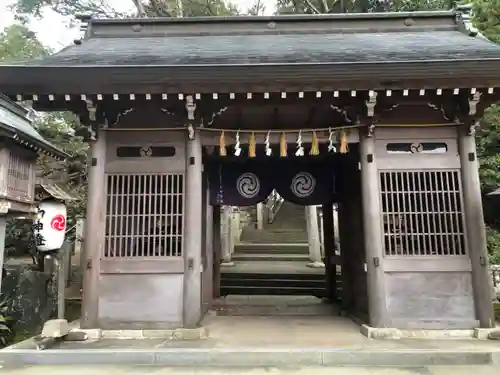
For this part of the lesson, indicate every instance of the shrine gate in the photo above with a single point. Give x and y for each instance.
(375, 112)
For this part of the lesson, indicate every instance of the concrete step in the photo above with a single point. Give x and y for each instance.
(273, 284)
(289, 216)
(270, 257)
(277, 283)
(236, 305)
(274, 276)
(273, 291)
(272, 248)
(252, 235)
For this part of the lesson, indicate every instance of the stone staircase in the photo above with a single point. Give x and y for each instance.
(273, 261)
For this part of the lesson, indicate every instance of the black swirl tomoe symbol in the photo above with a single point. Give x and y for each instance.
(248, 185)
(303, 184)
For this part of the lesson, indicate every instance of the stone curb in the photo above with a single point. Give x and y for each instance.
(246, 358)
(395, 334)
(180, 334)
(167, 334)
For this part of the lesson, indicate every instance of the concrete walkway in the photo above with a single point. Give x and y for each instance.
(154, 370)
(243, 341)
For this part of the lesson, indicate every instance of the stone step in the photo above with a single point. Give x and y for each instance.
(273, 291)
(272, 248)
(228, 275)
(274, 236)
(292, 306)
(270, 283)
(270, 257)
(289, 216)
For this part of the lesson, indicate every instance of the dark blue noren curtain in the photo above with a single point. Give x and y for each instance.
(239, 184)
(304, 182)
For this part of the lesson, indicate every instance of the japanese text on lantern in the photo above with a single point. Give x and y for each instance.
(38, 228)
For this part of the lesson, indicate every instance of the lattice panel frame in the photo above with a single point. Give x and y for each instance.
(144, 215)
(422, 213)
(20, 178)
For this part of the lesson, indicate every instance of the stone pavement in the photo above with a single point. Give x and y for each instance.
(242, 341)
(159, 370)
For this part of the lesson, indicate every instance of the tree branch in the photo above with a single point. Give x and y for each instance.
(140, 8)
(312, 7)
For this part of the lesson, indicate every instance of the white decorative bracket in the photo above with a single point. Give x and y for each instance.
(371, 103)
(191, 133)
(371, 130)
(190, 107)
(473, 127)
(91, 108)
(473, 102)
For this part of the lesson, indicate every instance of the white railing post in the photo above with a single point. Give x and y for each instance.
(260, 216)
(321, 233)
(313, 237)
(226, 240)
(336, 234)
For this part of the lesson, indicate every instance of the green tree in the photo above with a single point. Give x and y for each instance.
(361, 6)
(149, 8)
(17, 43)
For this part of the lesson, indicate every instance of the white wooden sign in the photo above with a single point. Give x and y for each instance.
(50, 226)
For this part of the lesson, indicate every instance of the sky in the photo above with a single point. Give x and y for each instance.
(53, 30)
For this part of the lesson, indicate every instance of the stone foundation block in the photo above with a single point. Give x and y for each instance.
(395, 334)
(200, 333)
(55, 328)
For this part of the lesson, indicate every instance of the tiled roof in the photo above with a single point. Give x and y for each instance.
(165, 55)
(380, 47)
(14, 120)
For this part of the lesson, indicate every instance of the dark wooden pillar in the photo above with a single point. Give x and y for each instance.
(346, 274)
(476, 231)
(193, 233)
(329, 248)
(93, 242)
(217, 250)
(208, 269)
(377, 308)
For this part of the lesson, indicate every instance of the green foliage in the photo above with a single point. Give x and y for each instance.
(361, 6)
(98, 8)
(17, 42)
(487, 18)
(152, 8)
(5, 329)
(190, 8)
(493, 245)
(488, 149)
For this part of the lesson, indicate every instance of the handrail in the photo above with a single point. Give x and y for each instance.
(274, 203)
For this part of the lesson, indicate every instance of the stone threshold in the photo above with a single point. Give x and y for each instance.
(74, 333)
(238, 357)
(432, 334)
(200, 333)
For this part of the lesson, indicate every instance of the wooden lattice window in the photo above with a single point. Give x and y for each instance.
(422, 213)
(144, 215)
(20, 179)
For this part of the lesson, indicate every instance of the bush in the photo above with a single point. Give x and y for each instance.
(493, 237)
(5, 328)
